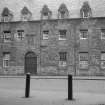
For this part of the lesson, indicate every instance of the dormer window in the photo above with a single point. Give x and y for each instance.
(63, 14)
(85, 11)
(63, 11)
(45, 13)
(6, 15)
(25, 14)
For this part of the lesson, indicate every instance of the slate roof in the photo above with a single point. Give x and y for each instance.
(35, 6)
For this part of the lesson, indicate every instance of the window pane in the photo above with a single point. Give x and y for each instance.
(62, 34)
(83, 60)
(6, 18)
(103, 64)
(45, 13)
(7, 36)
(83, 34)
(102, 33)
(6, 59)
(30, 39)
(102, 56)
(45, 34)
(83, 64)
(85, 14)
(62, 63)
(83, 56)
(63, 56)
(62, 14)
(20, 34)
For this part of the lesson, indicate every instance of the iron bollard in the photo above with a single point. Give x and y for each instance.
(27, 89)
(69, 87)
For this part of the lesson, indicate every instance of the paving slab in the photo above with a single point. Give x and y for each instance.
(8, 97)
(51, 92)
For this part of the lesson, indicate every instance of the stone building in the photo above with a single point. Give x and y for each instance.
(52, 46)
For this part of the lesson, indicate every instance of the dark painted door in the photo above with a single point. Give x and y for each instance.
(31, 63)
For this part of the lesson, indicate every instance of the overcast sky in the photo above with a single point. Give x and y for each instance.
(98, 6)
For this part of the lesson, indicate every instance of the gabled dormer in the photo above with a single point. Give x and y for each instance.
(45, 12)
(6, 15)
(25, 14)
(63, 12)
(85, 11)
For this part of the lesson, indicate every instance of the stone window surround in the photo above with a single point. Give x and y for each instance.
(85, 14)
(83, 60)
(30, 39)
(103, 60)
(7, 36)
(62, 14)
(20, 34)
(6, 59)
(62, 59)
(45, 34)
(83, 34)
(102, 33)
(62, 34)
(6, 18)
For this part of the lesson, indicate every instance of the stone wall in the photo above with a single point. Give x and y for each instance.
(47, 51)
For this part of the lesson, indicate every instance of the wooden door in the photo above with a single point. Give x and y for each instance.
(31, 63)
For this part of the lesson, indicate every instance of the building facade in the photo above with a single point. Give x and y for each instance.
(52, 46)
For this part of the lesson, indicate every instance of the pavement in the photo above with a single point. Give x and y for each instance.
(56, 77)
(52, 90)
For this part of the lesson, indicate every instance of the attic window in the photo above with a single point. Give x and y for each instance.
(6, 15)
(62, 12)
(5, 18)
(85, 14)
(45, 14)
(86, 10)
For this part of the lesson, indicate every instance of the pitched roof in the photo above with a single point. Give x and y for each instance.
(35, 6)
(25, 10)
(45, 9)
(86, 6)
(62, 7)
(6, 12)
